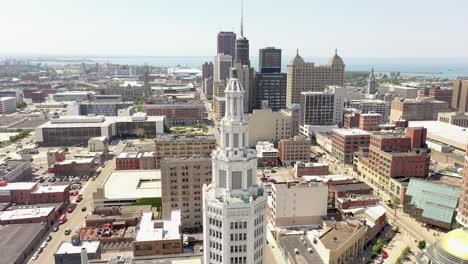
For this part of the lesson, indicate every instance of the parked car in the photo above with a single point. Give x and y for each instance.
(35, 256)
(83, 209)
(55, 229)
(70, 209)
(49, 238)
(43, 245)
(68, 231)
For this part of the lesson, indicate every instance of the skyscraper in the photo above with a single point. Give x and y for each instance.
(462, 216)
(227, 43)
(270, 60)
(460, 95)
(221, 68)
(233, 204)
(372, 84)
(242, 44)
(307, 76)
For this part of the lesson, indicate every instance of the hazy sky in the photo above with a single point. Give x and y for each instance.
(358, 28)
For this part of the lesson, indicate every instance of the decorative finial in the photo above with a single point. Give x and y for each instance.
(336, 51)
(297, 52)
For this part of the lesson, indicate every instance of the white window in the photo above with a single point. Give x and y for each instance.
(236, 140)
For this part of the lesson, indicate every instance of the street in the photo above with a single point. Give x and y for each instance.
(77, 217)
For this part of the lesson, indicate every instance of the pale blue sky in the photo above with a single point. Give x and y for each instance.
(358, 28)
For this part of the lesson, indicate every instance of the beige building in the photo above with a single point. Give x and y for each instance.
(417, 109)
(307, 76)
(268, 125)
(182, 180)
(454, 118)
(342, 242)
(460, 95)
(169, 145)
(293, 150)
(291, 203)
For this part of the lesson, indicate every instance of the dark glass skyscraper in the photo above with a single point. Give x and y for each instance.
(242, 51)
(227, 43)
(270, 60)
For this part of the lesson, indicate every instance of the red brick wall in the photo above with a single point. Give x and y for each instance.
(128, 164)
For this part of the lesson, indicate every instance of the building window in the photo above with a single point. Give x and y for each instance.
(236, 140)
(143, 247)
(249, 177)
(236, 180)
(222, 179)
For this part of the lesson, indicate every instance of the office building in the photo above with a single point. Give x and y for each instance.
(33, 193)
(135, 160)
(234, 206)
(77, 251)
(437, 93)
(308, 168)
(391, 157)
(291, 206)
(221, 70)
(417, 109)
(449, 249)
(267, 154)
(292, 150)
(399, 91)
(183, 146)
(182, 180)
(462, 215)
(78, 130)
(226, 43)
(346, 142)
(460, 95)
(18, 94)
(307, 76)
(454, 118)
(323, 108)
(370, 106)
(270, 60)
(91, 108)
(271, 87)
(72, 96)
(177, 113)
(207, 70)
(7, 105)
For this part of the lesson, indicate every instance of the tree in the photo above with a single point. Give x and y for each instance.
(397, 229)
(422, 244)
(377, 248)
(140, 132)
(399, 260)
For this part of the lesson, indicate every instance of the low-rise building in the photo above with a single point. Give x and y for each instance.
(28, 215)
(158, 237)
(98, 144)
(14, 170)
(309, 168)
(454, 118)
(291, 206)
(19, 241)
(177, 113)
(370, 121)
(293, 150)
(33, 193)
(74, 167)
(432, 202)
(346, 142)
(72, 96)
(7, 105)
(370, 106)
(73, 252)
(267, 154)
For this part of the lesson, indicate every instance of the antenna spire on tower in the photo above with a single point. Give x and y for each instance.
(242, 19)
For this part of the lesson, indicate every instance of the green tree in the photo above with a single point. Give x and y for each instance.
(397, 229)
(422, 244)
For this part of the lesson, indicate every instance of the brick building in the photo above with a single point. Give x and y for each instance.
(309, 168)
(346, 142)
(370, 121)
(293, 150)
(78, 167)
(177, 113)
(417, 109)
(128, 160)
(460, 95)
(351, 120)
(33, 193)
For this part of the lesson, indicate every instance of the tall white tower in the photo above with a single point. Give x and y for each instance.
(234, 222)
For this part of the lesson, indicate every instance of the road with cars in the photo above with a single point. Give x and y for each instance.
(76, 219)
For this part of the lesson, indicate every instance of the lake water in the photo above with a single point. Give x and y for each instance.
(430, 67)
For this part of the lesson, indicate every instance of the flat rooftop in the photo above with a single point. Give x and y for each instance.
(18, 186)
(156, 230)
(129, 155)
(68, 248)
(292, 242)
(338, 235)
(51, 189)
(172, 137)
(448, 134)
(326, 178)
(25, 213)
(350, 132)
(15, 239)
(133, 184)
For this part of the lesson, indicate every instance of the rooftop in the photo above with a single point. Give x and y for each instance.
(154, 230)
(129, 155)
(51, 189)
(15, 239)
(18, 186)
(291, 243)
(25, 213)
(68, 248)
(133, 184)
(340, 233)
(350, 132)
(172, 137)
(326, 178)
(443, 132)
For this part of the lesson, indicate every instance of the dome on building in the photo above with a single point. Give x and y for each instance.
(234, 85)
(455, 243)
(336, 60)
(297, 59)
